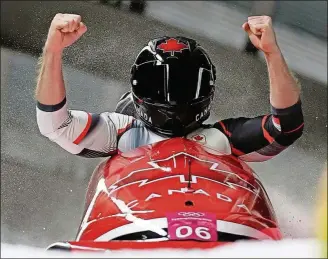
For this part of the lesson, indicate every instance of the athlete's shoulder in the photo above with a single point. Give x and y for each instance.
(211, 137)
(122, 122)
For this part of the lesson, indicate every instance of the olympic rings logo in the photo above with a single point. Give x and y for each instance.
(191, 214)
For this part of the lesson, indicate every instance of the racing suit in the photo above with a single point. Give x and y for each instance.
(101, 135)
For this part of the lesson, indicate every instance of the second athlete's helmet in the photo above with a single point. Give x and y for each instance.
(173, 85)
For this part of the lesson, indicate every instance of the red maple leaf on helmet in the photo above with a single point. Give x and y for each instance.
(172, 45)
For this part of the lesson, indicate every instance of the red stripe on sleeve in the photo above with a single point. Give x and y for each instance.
(121, 131)
(299, 127)
(84, 132)
(265, 132)
(236, 151)
(225, 129)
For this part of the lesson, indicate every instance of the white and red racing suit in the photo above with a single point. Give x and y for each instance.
(101, 135)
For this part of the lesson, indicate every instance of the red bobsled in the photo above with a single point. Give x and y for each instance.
(174, 193)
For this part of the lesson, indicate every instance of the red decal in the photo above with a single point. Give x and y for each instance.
(276, 120)
(172, 45)
(198, 137)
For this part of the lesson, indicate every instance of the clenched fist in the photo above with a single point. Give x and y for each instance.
(64, 30)
(261, 33)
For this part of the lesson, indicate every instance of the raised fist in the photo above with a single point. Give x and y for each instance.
(261, 33)
(64, 30)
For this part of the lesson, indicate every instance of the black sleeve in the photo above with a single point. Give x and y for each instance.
(260, 138)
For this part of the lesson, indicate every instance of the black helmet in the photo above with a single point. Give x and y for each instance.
(173, 85)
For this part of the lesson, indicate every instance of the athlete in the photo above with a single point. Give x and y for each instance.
(172, 88)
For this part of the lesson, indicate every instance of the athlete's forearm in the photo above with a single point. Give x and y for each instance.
(284, 88)
(50, 88)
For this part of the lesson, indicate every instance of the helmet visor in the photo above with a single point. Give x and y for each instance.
(172, 83)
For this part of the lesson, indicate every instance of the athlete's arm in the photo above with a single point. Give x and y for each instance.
(78, 132)
(64, 30)
(284, 87)
(263, 137)
(50, 88)
(82, 133)
(284, 90)
(260, 138)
